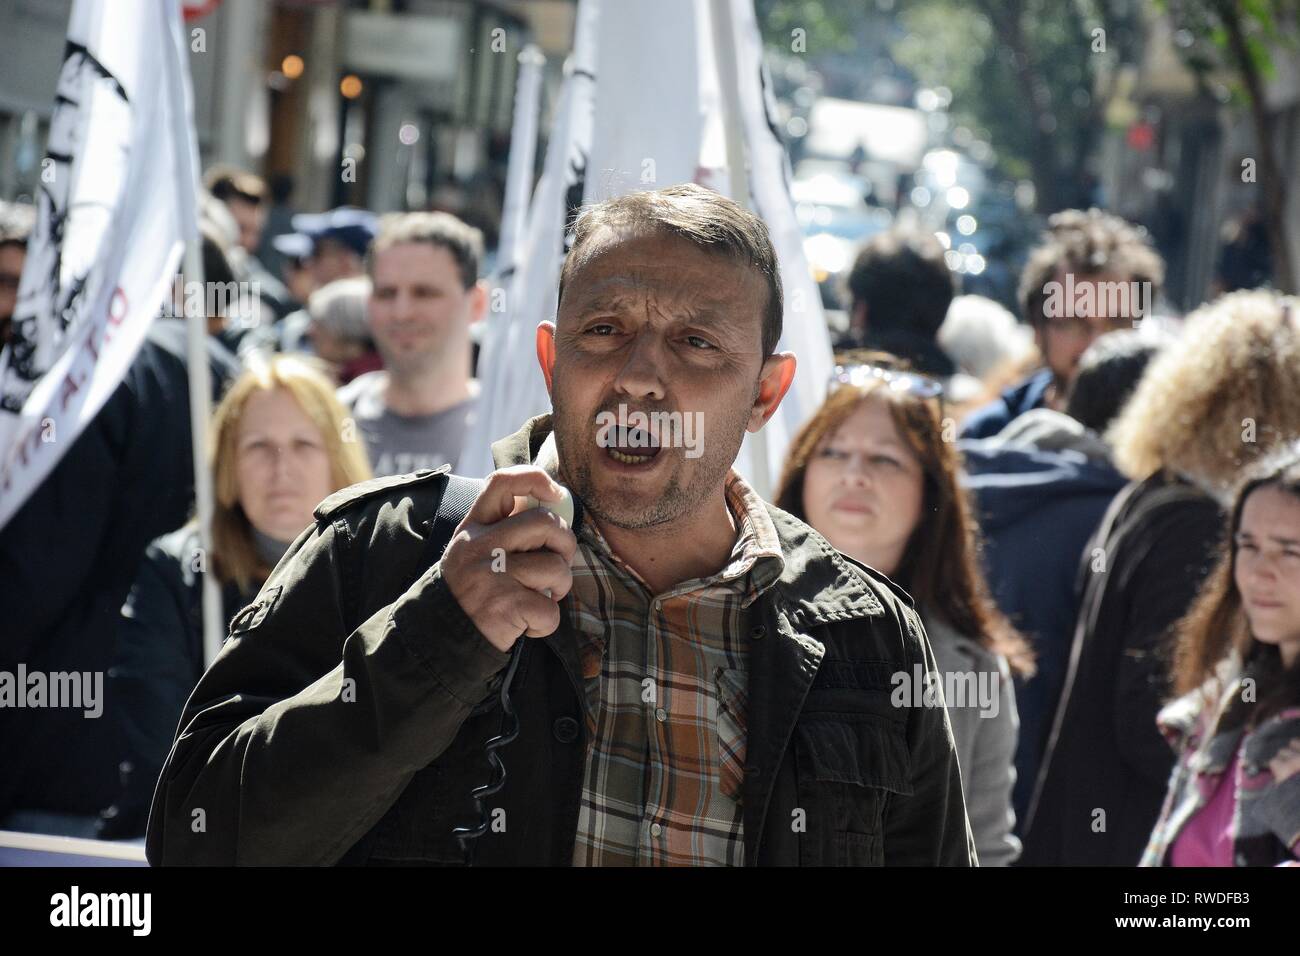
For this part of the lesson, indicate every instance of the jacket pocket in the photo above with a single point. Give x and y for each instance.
(417, 827)
(848, 766)
(732, 699)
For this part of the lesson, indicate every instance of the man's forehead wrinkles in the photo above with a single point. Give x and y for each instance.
(614, 291)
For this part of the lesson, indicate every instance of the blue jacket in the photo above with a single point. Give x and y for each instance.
(987, 421)
(1037, 509)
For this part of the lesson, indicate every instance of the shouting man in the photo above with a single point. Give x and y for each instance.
(702, 678)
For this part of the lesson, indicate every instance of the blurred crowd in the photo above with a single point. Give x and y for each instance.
(1094, 505)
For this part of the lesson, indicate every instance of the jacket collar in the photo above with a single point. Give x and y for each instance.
(817, 585)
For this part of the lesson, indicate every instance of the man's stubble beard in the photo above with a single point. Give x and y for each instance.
(675, 501)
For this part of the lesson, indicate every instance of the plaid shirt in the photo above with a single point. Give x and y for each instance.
(666, 681)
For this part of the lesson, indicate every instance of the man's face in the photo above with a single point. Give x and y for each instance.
(655, 324)
(1064, 338)
(419, 307)
(250, 217)
(332, 260)
(11, 270)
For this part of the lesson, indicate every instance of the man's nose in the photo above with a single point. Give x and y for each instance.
(639, 376)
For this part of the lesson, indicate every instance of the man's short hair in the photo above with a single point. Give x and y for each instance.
(702, 217)
(1087, 243)
(1108, 373)
(17, 220)
(463, 241)
(226, 183)
(904, 280)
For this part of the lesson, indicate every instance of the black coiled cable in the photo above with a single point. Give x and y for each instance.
(467, 835)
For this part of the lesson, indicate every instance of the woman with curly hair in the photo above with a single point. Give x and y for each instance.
(1223, 395)
(1234, 796)
(873, 473)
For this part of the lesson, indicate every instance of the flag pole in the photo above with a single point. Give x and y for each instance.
(200, 412)
(523, 156)
(723, 28)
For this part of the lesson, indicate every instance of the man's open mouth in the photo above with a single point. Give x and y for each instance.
(632, 446)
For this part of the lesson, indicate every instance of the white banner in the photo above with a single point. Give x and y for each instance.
(512, 389)
(116, 205)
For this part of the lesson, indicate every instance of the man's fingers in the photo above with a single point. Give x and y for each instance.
(537, 615)
(497, 500)
(529, 531)
(540, 571)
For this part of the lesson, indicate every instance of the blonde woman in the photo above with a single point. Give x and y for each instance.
(278, 446)
(1222, 396)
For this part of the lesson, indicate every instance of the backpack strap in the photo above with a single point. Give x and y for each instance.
(458, 498)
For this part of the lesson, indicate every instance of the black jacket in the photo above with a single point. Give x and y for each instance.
(159, 660)
(346, 717)
(1103, 777)
(68, 558)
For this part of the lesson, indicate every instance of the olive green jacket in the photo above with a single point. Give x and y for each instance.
(345, 718)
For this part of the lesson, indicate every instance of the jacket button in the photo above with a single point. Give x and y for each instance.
(565, 729)
(758, 631)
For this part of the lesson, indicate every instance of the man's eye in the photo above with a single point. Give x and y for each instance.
(699, 343)
(603, 328)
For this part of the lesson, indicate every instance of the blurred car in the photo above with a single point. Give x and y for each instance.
(835, 217)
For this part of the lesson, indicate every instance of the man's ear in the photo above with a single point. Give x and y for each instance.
(478, 301)
(774, 381)
(546, 350)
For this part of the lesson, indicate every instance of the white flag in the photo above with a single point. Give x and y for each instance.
(512, 389)
(116, 206)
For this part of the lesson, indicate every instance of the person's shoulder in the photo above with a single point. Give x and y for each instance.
(420, 490)
(883, 585)
(968, 647)
(359, 388)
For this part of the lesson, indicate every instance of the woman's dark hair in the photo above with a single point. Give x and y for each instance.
(940, 566)
(1216, 624)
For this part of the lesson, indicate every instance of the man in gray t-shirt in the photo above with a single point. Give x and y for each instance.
(399, 444)
(416, 411)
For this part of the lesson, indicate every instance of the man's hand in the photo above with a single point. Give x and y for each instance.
(502, 560)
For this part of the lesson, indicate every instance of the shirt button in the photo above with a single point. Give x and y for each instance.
(565, 730)
(661, 715)
(656, 829)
